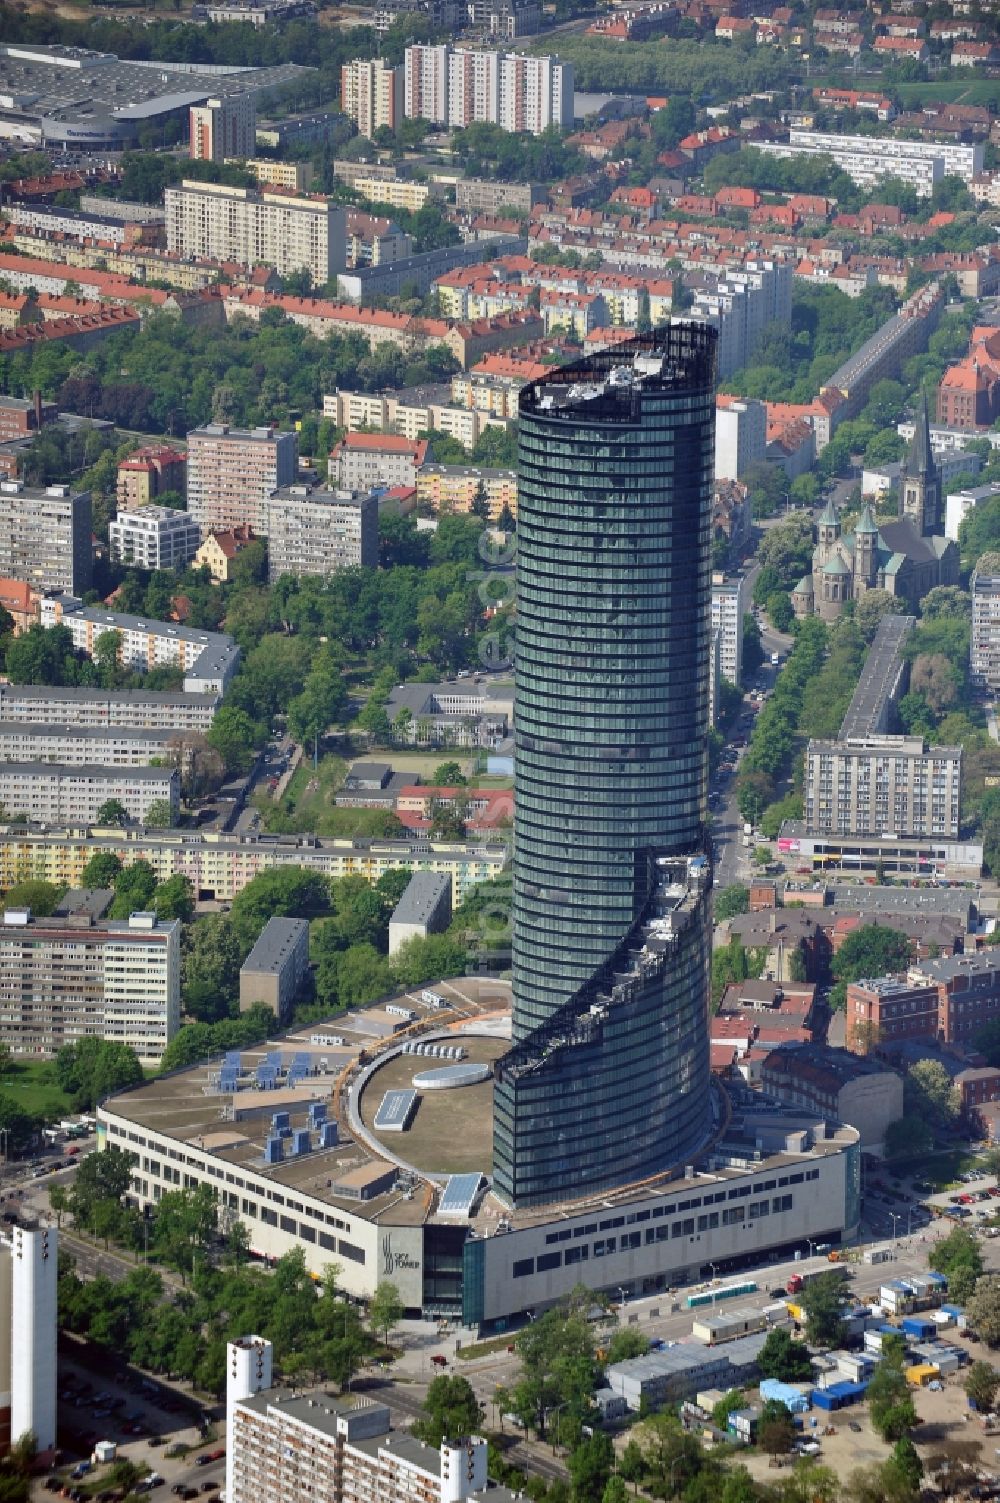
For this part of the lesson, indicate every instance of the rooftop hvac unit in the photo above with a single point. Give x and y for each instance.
(328, 1137)
(317, 1113)
(272, 1151)
(280, 1120)
(301, 1141)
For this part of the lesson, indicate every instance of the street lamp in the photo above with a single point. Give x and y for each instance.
(811, 1245)
(556, 1411)
(895, 1218)
(712, 1267)
(621, 1295)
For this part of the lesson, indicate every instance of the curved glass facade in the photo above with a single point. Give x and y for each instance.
(611, 723)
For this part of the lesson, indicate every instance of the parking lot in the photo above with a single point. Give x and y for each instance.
(160, 1431)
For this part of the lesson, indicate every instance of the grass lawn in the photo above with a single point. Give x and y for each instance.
(974, 91)
(939, 1169)
(307, 805)
(32, 1085)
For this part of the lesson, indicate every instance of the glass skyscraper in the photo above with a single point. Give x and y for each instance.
(607, 1081)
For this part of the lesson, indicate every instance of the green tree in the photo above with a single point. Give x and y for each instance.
(625, 1343)
(821, 1301)
(174, 898)
(590, 1464)
(981, 1383)
(386, 1308)
(234, 736)
(776, 1430)
(731, 1401)
(730, 901)
(928, 1093)
(41, 897)
(908, 1138)
(448, 775)
(101, 870)
(983, 1309)
(101, 1178)
(92, 1069)
(890, 1405)
(184, 1227)
(872, 950)
(451, 1408)
(782, 1357)
(112, 812)
(159, 815)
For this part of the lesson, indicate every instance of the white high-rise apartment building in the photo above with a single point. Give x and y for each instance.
(457, 86)
(535, 93)
(729, 605)
(28, 1279)
(224, 128)
(257, 228)
(740, 437)
(371, 93)
(473, 87)
(425, 83)
(249, 1367)
(46, 536)
(984, 647)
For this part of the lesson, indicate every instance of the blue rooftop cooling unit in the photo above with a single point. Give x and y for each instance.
(328, 1135)
(301, 1141)
(272, 1151)
(317, 1113)
(280, 1120)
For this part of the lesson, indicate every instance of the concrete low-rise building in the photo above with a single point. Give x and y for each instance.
(274, 970)
(69, 977)
(57, 792)
(836, 1083)
(424, 908)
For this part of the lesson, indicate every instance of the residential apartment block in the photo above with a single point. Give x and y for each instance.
(232, 471)
(284, 1446)
(56, 792)
(46, 536)
(984, 647)
(869, 159)
(86, 745)
(220, 865)
(148, 473)
(67, 978)
(730, 602)
(361, 461)
(478, 195)
(154, 537)
(371, 93)
(276, 966)
(208, 658)
(311, 530)
(455, 487)
(37, 704)
(741, 303)
(224, 129)
(256, 228)
(882, 785)
(383, 411)
(458, 86)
